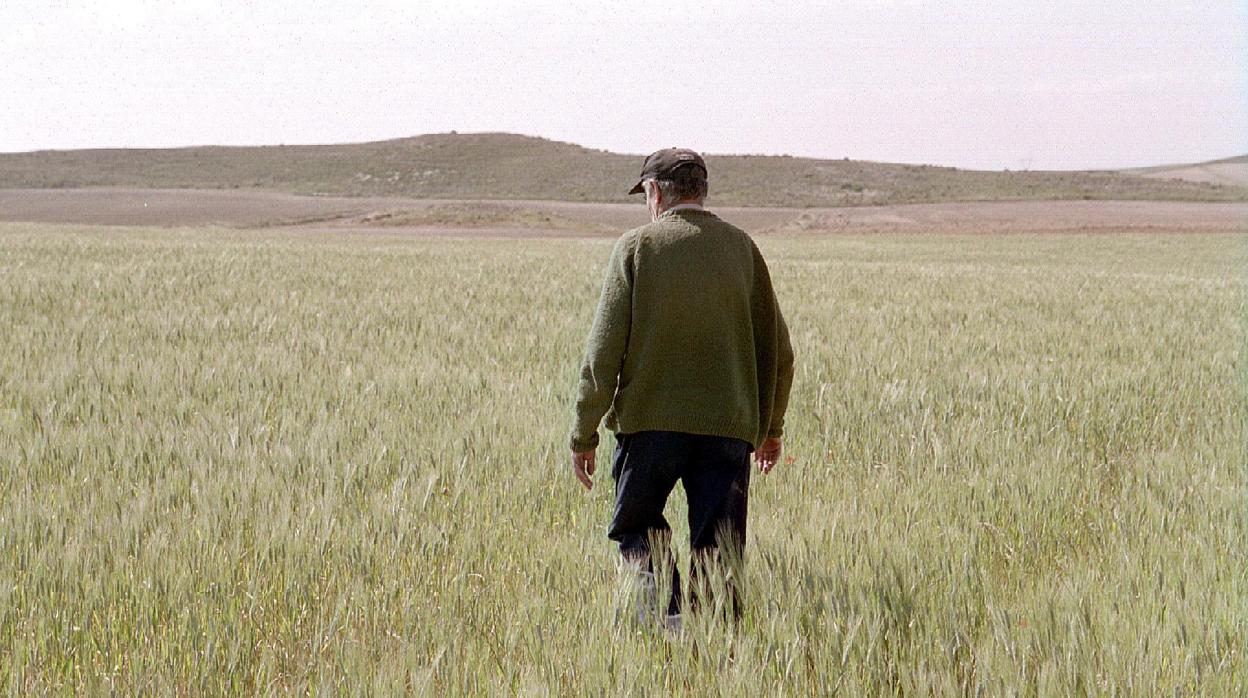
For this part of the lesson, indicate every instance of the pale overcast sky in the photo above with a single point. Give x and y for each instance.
(992, 84)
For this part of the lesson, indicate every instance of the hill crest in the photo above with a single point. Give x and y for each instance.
(496, 165)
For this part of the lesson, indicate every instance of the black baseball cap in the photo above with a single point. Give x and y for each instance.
(664, 162)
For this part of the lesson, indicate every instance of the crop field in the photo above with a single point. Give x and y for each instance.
(283, 461)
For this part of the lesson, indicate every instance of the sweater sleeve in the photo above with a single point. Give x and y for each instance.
(604, 350)
(784, 377)
(774, 351)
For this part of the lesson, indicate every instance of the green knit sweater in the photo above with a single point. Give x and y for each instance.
(687, 337)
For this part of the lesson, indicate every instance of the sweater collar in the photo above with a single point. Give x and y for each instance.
(685, 208)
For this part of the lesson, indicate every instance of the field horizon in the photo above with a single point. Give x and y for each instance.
(507, 166)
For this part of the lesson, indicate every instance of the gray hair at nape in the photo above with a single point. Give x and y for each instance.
(686, 183)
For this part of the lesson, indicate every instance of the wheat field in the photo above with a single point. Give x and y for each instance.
(261, 462)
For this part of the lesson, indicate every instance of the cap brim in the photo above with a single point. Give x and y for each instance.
(637, 188)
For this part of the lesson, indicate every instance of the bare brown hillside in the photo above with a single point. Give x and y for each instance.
(507, 166)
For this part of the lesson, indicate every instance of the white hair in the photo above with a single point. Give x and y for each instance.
(687, 184)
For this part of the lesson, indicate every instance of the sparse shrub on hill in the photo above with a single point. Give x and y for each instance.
(506, 166)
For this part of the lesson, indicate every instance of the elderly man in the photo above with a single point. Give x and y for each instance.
(690, 361)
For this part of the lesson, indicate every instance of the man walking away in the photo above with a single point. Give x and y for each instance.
(689, 360)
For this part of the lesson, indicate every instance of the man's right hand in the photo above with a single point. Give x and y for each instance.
(583, 468)
(767, 455)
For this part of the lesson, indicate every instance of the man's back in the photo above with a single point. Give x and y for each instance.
(688, 306)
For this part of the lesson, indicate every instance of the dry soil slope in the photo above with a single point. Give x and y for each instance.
(507, 166)
(1231, 172)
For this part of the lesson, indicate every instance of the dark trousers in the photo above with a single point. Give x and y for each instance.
(715, 473)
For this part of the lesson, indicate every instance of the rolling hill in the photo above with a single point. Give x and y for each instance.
(508, 166)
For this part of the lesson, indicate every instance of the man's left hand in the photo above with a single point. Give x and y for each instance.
(767, 455)
(583, 466)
